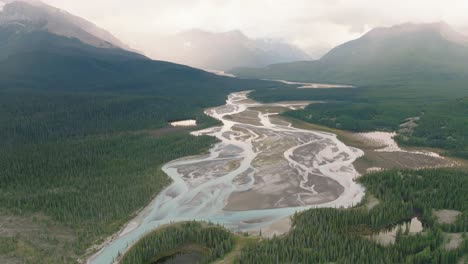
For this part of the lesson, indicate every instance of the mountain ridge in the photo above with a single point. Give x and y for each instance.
(41, 16)
(383, 55)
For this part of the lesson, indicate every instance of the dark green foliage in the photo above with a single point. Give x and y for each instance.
(336, 235)
(7, 245)
(353, 116)
(160, 243)
(93, 184)
(444, 126)
(424, 190)
(31, 117)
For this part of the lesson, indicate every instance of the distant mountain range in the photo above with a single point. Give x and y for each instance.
(386, 55)
(224, 51)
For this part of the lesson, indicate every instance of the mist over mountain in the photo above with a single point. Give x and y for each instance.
(34, 15)
(224, 51)
(402, 52)
(47, 48)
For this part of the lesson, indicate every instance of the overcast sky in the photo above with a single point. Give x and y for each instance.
(314, 25)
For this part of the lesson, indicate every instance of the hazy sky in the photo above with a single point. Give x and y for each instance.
(314, 25)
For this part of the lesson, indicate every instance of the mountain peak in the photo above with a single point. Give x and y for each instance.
(394, 54)
(40, 16)
(224, 50)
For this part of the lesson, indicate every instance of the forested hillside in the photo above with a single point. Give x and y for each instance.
(392, 55)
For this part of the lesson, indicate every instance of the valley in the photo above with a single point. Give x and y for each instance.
(247, 183)
(269, 151)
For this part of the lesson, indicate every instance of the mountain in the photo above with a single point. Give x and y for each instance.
(34, 15)
(45, 47)
(48, 48)
(35, 54)
(395, 54)
(224, 51)
(39, 59)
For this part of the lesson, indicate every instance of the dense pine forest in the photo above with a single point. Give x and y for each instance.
(443, 126)
(337, 235)
(88, 161)
(213, 241)
(92, 185)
